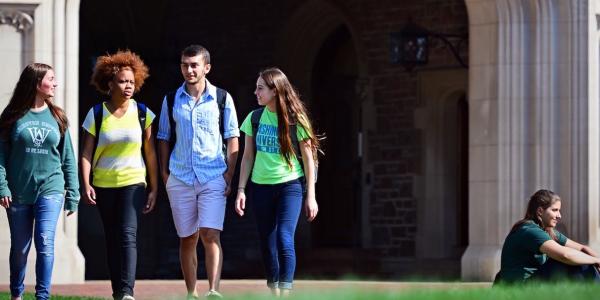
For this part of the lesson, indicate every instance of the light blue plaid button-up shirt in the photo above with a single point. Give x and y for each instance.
(198, 151)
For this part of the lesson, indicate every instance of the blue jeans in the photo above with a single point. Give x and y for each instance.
(553, 270)
(45, 212)
(120, 209)
(277, 208)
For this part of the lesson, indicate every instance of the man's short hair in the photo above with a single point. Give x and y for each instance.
(195, 50)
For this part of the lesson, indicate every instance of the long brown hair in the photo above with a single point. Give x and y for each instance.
(543, 199)
(290, 110)
(23, 98)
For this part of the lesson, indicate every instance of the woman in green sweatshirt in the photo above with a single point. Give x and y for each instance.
(37, 167)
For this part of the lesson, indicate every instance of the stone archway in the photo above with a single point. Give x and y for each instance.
(302, 52)
(303, 37)
(443, 205)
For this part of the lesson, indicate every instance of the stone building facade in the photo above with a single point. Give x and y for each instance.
(425, 170)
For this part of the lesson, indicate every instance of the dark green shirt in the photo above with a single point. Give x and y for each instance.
(37, 162)
(521, 256)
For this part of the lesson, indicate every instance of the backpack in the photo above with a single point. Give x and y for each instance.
(255, 120)
(98, 118)
(221, 98)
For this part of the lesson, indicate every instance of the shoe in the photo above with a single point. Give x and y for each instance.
(212, 294)
(127, 297)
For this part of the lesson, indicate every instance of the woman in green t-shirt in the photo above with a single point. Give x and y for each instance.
(277, 174)
(534, 238)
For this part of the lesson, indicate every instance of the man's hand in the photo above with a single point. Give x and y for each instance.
(227, 176)
(165, 176)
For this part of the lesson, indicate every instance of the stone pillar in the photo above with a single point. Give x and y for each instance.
(533, 100)
(44, 31)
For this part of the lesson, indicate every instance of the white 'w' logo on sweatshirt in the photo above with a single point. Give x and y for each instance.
(38, 135)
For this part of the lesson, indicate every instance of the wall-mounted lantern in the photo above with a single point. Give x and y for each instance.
(410, 46)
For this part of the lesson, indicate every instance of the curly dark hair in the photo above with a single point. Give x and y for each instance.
(107, 66)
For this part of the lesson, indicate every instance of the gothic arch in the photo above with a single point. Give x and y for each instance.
(303, 36)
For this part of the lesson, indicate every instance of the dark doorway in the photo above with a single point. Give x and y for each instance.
(462, 193)
(456, 200)
(336, 111)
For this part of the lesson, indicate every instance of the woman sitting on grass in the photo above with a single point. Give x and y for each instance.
(534, 238)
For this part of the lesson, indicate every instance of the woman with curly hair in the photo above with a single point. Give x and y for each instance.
(280, 152)
(37, 166)
(118, 146)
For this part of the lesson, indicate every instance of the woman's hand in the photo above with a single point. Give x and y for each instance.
(311, 208)
(90, 195)
(589, 251)
(5, 201)
(165, 176)
(150, 202)
(240, 202)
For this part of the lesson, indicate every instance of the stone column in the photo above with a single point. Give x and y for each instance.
(44, 31)
(533, 104)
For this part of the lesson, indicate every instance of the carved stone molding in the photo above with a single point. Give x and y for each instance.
(22, 21)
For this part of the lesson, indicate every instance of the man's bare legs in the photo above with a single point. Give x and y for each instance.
(189, 262)
(211, 239)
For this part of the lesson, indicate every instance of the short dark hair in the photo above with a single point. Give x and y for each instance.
(194, 50)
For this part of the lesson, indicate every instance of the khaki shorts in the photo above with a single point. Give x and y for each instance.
(197, 206)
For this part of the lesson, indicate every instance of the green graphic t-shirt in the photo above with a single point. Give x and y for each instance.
(270, 166)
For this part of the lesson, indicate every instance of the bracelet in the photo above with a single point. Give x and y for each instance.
(241, 188)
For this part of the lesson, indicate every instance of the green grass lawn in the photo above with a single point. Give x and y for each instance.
(559, 291)
(29, 296)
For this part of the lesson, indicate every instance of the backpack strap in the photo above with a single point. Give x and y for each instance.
(255, 120)
(170, 104)
(221, 99)
(295, 143)
(98, 116)
(296, 146)
(142, 111)
(141, 108)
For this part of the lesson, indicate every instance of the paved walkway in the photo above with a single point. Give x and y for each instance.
(175, 289)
